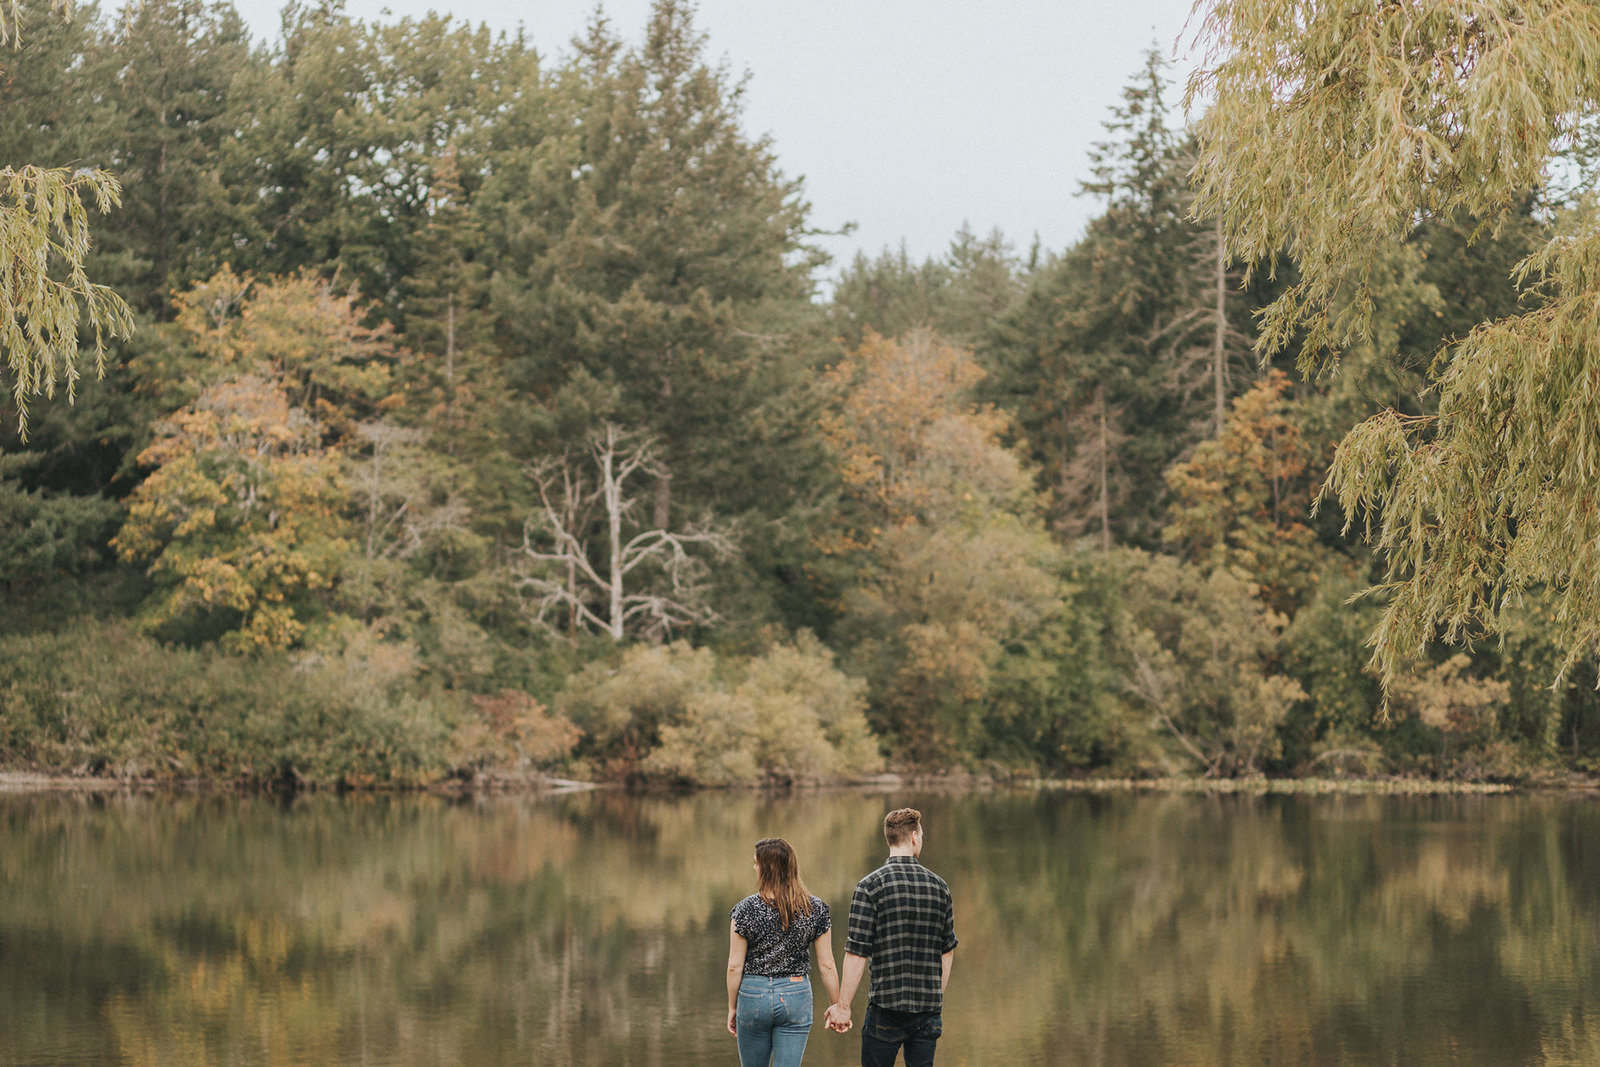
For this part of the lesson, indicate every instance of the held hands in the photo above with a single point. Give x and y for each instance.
(837, 1018)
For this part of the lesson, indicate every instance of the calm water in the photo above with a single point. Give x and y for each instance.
(593, 929)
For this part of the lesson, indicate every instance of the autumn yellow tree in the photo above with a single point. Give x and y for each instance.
(942, 524)
(243, 518)
(300, 329)
(1241, 500)
(239, 521)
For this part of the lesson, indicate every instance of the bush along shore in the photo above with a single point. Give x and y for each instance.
(101, 703)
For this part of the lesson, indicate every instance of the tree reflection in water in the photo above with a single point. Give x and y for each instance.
(592, 929)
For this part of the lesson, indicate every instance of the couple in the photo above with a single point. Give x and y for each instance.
(901, 920)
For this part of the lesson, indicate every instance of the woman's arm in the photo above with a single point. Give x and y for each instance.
(737, 946)
(830, 973)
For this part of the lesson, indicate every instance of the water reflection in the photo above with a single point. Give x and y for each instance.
(592, 929)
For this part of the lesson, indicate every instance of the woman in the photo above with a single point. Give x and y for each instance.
(769, 960)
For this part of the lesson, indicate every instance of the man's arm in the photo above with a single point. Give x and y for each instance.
(947, 937)
(838, 1014)
(857, 947)
(854, 967)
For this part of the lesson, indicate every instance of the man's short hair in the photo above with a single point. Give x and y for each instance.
(900, 824)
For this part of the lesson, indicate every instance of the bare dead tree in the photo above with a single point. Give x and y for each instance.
(580, 559)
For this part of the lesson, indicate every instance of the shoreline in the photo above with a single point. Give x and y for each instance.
(26, 782)
(38, 782)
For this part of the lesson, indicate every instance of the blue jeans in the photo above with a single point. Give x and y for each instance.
(774, 1020)
(885, 1032)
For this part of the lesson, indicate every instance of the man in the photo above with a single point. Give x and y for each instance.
(902, 920)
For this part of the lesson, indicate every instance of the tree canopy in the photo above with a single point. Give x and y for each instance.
(1332, 132)
(491, 412)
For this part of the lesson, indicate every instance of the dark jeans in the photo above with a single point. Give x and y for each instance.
(885, 1031)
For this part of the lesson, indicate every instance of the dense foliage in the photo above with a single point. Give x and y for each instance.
(485, 414)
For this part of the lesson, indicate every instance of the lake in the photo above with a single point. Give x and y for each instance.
(592, 928)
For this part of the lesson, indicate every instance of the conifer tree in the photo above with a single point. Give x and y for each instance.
(164, 70)
(668, 247)
(958, 295)
(447, 322)
(1109, 359)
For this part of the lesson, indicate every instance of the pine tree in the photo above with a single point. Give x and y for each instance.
(447, 324)
(164, 70)
(1110, 360)
(652, 244)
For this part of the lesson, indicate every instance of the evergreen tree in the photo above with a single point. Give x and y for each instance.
(164, 70)
(47, 105)
(346, 126)
(447, 322)
(1108, 358)
(660, 250)
(958, 296)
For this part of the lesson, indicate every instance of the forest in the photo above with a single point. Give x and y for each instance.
(463, 407)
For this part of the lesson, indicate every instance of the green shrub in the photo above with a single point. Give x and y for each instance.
(101, 698)
(679, 713)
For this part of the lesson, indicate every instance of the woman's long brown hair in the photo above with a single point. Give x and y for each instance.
(778, 879)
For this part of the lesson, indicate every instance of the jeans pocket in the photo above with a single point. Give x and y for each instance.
(932, 1027)
(880, 1027)
(797, 1004)
(751, 1008)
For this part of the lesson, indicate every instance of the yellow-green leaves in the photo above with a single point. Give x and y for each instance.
(1240, 499)
(46, 298)
(686, 714)
(240, 519)
(1497, 495)
(941, 521)
(11, 19)
(1334, 128)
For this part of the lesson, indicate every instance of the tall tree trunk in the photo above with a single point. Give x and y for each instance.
(613, 497)
(1105, 448)
(663, 502)
(1277, 482)
(450, 373)
(373, 500)
(571, 505)
(572, 598)
(1064, 493)
(1219, 350)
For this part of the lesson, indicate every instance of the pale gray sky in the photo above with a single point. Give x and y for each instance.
(906, 117)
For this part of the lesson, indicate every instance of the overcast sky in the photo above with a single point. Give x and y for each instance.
(905, 117)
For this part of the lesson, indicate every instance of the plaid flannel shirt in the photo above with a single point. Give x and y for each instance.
(902, 920)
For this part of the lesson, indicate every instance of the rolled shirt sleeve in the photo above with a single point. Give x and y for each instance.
(948, 936)
(863, 922)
